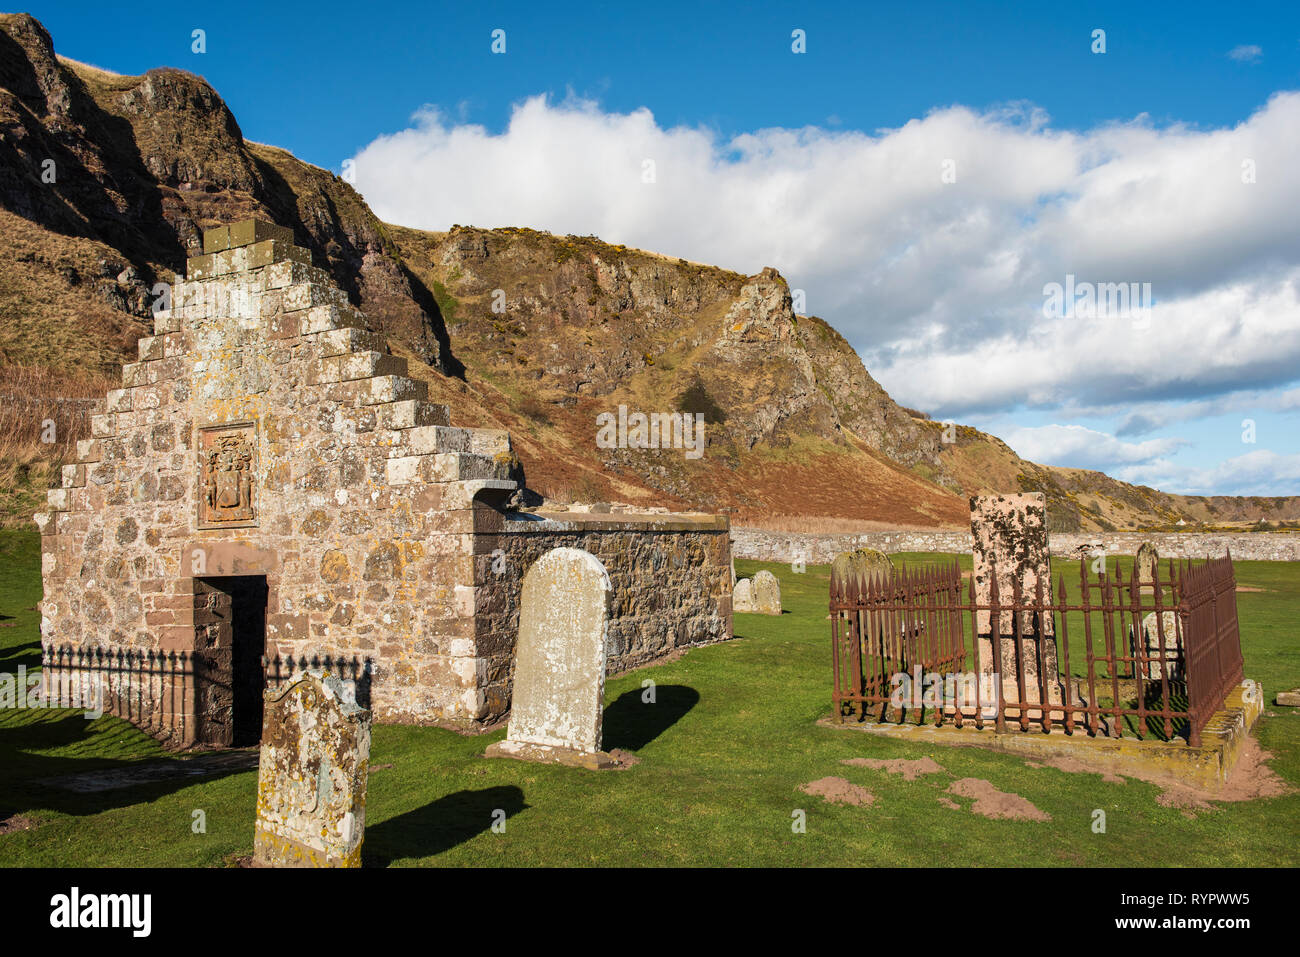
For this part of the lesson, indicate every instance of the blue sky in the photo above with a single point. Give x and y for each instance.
(1119, 166)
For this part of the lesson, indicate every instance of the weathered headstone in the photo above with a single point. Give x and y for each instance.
(767, 593)
(311, 778)
(863, 565)
(1144, 565)
(1166, 655)
(742, 596)
(559, 685)
(1010, 545)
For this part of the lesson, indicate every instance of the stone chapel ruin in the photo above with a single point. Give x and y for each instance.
(270, 482)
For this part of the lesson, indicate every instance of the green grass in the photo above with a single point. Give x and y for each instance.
(723, 752)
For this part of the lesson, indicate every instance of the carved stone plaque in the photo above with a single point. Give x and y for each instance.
(227, 471)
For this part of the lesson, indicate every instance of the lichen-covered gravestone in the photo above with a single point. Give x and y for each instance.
(311, 778)
(1144, 564)
(767, 593)
(1010, 545)
(559, 686)
(742, 596)
(864, 565)
(1166, 654)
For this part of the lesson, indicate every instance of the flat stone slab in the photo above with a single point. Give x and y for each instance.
(1290, 699)
(1207, 766)
(111, 779)
(547, 754)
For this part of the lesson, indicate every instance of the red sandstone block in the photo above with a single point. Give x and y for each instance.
(149, 347)
(287, 325)
(175, 637)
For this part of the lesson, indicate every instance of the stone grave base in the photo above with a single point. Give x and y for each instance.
(273, 850)
(1207, 766)
(1290, 699)
(548, 754)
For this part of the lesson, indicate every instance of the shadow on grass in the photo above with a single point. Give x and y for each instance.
(440, 825)
(106, 744)
(631, 723)
(28, 654)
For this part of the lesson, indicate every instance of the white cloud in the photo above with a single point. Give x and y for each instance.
(939, 285)
(1078, 447)
(1246, 53)
(1261, 472)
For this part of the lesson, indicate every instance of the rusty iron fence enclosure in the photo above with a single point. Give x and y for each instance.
(157, 690)
(922, 623)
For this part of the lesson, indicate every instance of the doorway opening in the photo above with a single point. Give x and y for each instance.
(230, 640)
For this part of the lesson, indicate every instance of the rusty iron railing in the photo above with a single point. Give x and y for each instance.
(1157, 655)
(1214, 661)
(161, 692)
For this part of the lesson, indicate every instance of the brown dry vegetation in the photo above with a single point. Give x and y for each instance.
(42, 415)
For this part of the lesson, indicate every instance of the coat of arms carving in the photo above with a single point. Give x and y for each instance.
(227, 465)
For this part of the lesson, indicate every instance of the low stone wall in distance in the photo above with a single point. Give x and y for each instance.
(814, 549)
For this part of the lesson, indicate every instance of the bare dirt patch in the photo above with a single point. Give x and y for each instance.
(1250, 588)
(991, 802)
(17, 822)
(910, 770)
(839, 791)
(1250, 780)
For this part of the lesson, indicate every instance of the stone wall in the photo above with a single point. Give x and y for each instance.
(771, 546)
(671, 577)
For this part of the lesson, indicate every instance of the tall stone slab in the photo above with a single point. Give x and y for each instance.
(1144, 565)
(560, 660)
(311, 777)
(864, 565)
(1010, 547)
(767, 593)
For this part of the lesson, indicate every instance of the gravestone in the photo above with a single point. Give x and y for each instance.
(1144, 565)
(1010, 546)
(742, 596)
(559, 686)
(864, 565)
(1166, 655)
(767, 593)
(311, 777)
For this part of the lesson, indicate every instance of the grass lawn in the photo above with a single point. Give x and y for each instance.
(724, 750)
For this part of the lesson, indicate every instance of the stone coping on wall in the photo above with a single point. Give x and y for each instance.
(547, 520)
(821, 548)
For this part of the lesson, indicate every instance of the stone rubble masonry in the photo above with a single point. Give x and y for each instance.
(759, 544)
(311, 775)
(374, 521)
